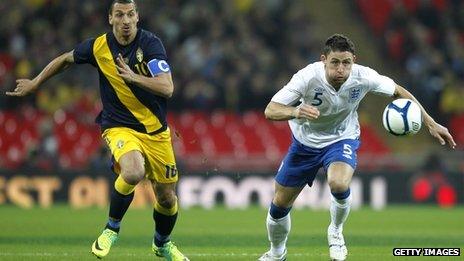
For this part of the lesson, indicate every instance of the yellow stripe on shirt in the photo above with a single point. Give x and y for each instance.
(106, 63)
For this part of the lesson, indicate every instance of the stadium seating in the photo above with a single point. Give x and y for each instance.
(201, 140)
(18, 135)
(77, 142)
(377, 13)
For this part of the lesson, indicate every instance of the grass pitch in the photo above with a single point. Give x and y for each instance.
(61, 233)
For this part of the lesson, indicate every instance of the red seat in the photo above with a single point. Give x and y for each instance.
(76, 150)
(253, 142)
(281, 134)
(11, 126)
(77, 142)
(67, 135)
(189, 128)
(376, 13)
(395, 43)
(371, 143)
(222, 128)
(14, 156)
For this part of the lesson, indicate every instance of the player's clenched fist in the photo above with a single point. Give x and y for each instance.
(23, 87)
(305, 111)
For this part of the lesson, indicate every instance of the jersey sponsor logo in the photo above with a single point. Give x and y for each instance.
(158, 66)
(139, 55)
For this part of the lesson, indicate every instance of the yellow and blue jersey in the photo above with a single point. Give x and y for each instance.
(127, 105)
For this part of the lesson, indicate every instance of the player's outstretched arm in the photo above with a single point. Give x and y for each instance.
(279, 112)
(436, 130)
(160, 85)
(57, 65)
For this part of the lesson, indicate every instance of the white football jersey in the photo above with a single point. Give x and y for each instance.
(338, 117)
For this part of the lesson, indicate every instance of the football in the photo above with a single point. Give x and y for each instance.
(402, 117)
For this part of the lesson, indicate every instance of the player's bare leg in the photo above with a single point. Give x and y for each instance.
(165, 216)
(339, 176)
(278, 222)
(132, 171)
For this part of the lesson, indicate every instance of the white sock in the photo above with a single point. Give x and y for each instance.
(339, 210)
(277, 231)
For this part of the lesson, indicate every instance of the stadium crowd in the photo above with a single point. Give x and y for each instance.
(426, 38)
(230, 55)
(226, 55)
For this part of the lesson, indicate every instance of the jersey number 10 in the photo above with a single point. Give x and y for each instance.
(142, 68)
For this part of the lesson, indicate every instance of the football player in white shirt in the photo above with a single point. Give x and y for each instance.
(326, 134)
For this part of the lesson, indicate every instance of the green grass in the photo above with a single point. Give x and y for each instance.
(61, 233)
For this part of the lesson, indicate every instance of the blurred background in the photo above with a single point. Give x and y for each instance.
(228, 59)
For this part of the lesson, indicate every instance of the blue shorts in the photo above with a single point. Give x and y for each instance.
(301, 164)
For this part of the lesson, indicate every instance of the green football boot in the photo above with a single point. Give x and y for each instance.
(170, 252)
(101, 246)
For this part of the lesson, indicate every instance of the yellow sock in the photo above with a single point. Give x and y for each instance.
(123, 187)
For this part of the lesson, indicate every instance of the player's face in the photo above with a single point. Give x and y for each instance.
(124, 19)
(337, 67)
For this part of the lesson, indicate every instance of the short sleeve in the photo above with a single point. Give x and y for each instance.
(294, 89)
(83, 52)
(155, 50)
(156, 56)
(379, 83)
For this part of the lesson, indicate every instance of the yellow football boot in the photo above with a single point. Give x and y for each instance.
(170, 252)
(101, 246)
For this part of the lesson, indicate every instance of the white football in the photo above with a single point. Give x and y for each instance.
(402, 117)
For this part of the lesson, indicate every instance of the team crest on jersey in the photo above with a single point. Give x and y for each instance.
(139, 55)
(354, 94)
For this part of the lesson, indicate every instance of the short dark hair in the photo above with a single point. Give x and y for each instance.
(338, 42)
(121, 2)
